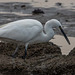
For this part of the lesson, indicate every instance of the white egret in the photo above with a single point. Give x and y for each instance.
(30, 31)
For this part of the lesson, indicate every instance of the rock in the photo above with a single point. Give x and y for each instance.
(67, 20)
(23, 6)
(42, 59)
(46, 0)
(56, 66)
(37, 11)
(72, 52)
(33, 50)
(58, 4)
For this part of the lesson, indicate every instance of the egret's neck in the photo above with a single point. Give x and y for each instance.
(49, 33)
(44, 36)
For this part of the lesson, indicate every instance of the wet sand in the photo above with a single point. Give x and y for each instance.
(61, 42)
(42, 3)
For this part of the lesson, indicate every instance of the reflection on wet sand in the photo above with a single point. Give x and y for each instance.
(61, 42)
(16, 13)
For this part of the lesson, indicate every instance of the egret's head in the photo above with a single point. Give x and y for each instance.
(56, 24)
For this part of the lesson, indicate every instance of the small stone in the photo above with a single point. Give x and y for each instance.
(37, 11)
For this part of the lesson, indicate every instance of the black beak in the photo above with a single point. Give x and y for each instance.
(64, 35)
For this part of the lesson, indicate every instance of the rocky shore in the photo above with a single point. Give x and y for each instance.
(42, 59)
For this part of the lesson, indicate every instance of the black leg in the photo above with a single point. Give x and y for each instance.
(25, 54)
(13, 55)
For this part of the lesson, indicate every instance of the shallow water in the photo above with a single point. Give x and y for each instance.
(61, 42)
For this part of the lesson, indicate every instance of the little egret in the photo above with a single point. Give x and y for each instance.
(30, 31)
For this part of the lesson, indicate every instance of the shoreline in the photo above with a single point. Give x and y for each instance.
(46, 58)
(42, 3)
(62, 43)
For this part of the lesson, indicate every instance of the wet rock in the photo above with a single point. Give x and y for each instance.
(46, 0)
(67, 20)
(37, 11)
(23, 6)
(58, 4)
(33, 50)
(42, 59)
(72, 52)
(57, 66)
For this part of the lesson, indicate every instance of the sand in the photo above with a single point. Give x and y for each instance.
(61, 42)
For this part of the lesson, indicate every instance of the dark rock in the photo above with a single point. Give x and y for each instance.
(23, 6)
(72, 52)
(46, 0)
(42, 59)
(58, 4)
(33, 50)
(37, 11)
(67, 20)
(57, 66)
(60, 14)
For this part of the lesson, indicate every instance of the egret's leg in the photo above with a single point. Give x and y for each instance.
(13, 55)
(26, 46)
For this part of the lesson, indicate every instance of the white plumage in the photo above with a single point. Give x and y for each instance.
(20, 30)
(29, 31)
